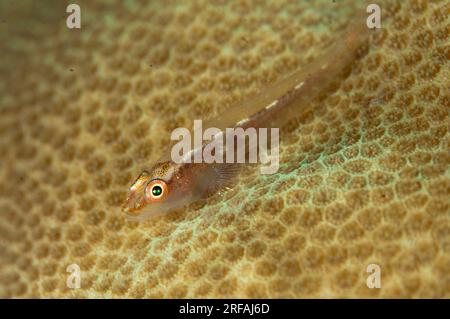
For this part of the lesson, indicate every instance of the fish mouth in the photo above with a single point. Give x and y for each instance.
(135, 200)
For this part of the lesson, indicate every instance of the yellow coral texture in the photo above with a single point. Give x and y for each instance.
(364, 176)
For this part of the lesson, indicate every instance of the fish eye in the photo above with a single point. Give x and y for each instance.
(156, 190)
